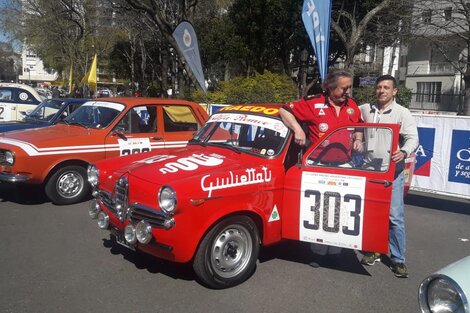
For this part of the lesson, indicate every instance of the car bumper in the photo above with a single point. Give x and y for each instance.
(13, 178)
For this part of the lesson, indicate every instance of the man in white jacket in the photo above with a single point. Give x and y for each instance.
(386, 110)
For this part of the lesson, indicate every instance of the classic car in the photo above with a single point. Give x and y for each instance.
(47, 113)
(447, 290)
(16, 100)
(241, 182)
(57, 156)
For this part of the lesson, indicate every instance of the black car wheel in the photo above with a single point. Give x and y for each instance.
(228, 253)
(68, 185)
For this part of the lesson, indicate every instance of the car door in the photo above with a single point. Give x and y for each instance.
(7, 104)
(24, 103)
(137, 131)
(341, 199)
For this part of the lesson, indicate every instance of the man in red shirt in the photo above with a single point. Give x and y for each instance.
(321, 113)
(324, 111)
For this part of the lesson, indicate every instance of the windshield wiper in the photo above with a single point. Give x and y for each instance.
(197, 142)
(223, 144)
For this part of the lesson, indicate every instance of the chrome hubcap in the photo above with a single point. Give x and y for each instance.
(70, 184)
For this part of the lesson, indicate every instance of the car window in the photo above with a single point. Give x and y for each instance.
(95, 114)
(179, 118)
(336, 150)
(6, 94)
(45, 111)
(140, 119)
(24, 96)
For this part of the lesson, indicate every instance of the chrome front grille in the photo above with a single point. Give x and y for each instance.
(107, 199)
(121, 193)
(158, 219)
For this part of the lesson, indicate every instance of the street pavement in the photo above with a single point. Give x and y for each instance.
(55, 259)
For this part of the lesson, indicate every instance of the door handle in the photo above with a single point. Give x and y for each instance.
(380, 181)
(157, 138)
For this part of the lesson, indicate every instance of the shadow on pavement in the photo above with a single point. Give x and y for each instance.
(436, 202)
(153, 265)
(22, 194)
(300, 252)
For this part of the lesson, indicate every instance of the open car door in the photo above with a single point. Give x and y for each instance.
(339, 198)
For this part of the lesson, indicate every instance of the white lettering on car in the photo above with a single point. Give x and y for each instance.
(191, 163)
(251, 177)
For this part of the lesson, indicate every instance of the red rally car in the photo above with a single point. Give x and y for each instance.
(242, 182)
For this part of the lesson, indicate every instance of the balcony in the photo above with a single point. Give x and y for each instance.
(426, 68)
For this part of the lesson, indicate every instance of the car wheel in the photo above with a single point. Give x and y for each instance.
(68, 185)
(228, 253)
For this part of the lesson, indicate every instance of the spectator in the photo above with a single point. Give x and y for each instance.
(55, 92)
(386, 110)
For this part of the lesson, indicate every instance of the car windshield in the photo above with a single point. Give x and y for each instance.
(95, 114)
(254, 134)
(45, 111)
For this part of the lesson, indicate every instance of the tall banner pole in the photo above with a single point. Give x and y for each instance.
(316, 16)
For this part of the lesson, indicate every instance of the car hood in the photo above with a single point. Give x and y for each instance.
(191, 163)
(12, 125)
(55, 135)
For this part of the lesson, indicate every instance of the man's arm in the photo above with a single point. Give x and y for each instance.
(289, 119)
(409, 132)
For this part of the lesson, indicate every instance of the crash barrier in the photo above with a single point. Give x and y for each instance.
(443, 156)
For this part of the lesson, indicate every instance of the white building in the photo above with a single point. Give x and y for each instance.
(33, 69)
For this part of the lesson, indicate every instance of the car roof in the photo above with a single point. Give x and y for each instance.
(144, 100)
(22, 86)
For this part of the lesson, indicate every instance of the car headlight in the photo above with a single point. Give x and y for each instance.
(441, 294)
(143, 232)
(9, 158)
(93, 175)
(167, 199)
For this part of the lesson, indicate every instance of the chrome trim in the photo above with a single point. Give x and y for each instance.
(13, 178)
(154, 217)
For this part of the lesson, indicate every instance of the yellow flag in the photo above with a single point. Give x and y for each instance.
(90, 77)
(70, 80)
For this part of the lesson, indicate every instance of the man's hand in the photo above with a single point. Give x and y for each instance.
(299, 137)
(398, 156)
(358, 145)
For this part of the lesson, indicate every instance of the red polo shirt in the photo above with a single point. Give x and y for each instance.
(320, 116)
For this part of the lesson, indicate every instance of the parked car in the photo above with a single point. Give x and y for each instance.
(16, 100)
(47, 113)
(447, 290)
(57, 156)
(239, 183)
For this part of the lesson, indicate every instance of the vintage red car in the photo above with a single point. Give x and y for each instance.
(241, 182)
(57, 157)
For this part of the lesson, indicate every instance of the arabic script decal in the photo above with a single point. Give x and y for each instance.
(191, 163)
(251, 177)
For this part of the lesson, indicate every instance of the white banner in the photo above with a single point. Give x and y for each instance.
(443, 156)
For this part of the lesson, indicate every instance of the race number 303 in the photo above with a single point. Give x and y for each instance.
(331, 209)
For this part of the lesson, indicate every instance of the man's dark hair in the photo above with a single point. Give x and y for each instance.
(387, 77)
(331, 80)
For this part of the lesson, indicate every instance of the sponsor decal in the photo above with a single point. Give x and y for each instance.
(134, 145)
(250, 176)
(23, 96)
(274, 215)
(350, 111)
(253, 120)
(320, 105)
(323, 127)
(252, 108)
(321, 112)
(459, 165)
(424, 153)
(191, 163)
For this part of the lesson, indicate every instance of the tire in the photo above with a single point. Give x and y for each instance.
(228, 253)
(68, 185)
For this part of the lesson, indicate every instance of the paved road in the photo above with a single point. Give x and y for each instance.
(55, 259)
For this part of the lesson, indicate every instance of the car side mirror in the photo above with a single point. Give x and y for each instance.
(119, 131)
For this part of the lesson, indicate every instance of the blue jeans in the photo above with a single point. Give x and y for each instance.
(396, 230)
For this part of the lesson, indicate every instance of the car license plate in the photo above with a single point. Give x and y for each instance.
(120, 239)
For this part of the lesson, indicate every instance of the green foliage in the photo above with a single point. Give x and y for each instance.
(262, 88)
(367, 95)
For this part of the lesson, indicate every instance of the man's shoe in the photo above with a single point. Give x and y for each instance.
(400, 270)
(370, 258)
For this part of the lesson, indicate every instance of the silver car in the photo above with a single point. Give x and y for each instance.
(447, 290)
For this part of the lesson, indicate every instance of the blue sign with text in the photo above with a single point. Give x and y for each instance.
(459, 165)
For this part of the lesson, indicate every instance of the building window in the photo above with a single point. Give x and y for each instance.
(426, 16)
(448, 13)
(429, 92)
